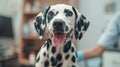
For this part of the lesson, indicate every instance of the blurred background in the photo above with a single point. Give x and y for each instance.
(19, 42)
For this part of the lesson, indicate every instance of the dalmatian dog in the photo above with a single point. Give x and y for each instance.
(63, 22)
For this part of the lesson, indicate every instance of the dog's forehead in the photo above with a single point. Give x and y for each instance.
(60, 7)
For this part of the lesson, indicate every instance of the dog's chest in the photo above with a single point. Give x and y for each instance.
(52, 56)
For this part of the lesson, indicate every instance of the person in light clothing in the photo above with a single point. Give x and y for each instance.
(108, 39)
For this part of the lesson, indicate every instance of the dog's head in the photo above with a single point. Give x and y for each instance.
(61, 21)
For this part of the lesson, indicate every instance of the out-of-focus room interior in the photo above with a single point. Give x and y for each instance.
(19, 42)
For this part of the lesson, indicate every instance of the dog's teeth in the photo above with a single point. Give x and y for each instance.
(40, 37)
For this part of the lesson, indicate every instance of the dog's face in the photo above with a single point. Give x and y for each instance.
(61, 20)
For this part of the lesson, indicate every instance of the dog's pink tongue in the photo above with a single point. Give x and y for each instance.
(58, 39)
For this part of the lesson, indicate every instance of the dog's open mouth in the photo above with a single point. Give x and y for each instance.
(58, 39)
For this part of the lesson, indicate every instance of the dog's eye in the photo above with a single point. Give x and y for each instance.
(68, 12)
(50, 15)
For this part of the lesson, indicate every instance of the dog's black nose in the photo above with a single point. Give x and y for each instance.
(58, 24)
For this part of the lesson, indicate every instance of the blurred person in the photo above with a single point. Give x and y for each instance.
(108, 39)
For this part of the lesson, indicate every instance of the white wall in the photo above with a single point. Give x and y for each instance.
(94, 10)
(117, 5)
(4, 7)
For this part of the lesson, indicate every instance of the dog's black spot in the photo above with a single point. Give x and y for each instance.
(76, 54)
(59, 65)
(68, 12)
(79, 25)
(48, 43)
(76, 34)
(72, 49)
(51, 14)
(44, 54)
(67, 47)
(39, 19)
(53, 50)
(53, 61)
(67, 56)
(59, 57)
(85, 26)
(37, 60)
(73, 66)
(73, 59)
(76, 16)
(80, 35)
(46, 63)
(38, 28)
(83, 17)
(44, 45)
(56, 13)
(41, 32)
(81, 21)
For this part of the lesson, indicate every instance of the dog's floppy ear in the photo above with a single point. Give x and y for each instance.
(81, 24)
(40, 22)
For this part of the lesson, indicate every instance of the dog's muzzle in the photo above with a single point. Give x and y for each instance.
(58, 35)
(58, 25)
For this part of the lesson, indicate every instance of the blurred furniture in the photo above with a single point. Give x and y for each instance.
(5, 59)
(111, 58)
(6, 40)
(29, 38)
(6, 32)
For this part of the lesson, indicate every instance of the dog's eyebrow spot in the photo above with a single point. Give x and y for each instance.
(57, 12)
(68, 12)
(50, 15)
